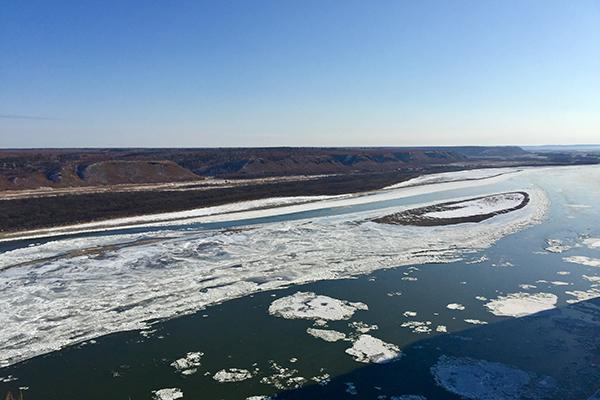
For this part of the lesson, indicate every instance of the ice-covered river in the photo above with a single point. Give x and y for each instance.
(310, 298)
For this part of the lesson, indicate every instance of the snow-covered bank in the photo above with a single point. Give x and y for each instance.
(278, 205)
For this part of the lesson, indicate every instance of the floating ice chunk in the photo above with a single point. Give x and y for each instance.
(418, 326)
(583, 260)
(581, 295)
(485, 380)
(8, 378)
(591, 278)
(527, 286)
(167, 394)
(143, 269)
(455, 306)
(441, 329)
(232, 375)
(308, 305)
(521, 304)
(556, 246)
(409, 278)
(555, 283)
(327, 335)
(475, 321)
(263, 397)
(409, 313)
(368, 349)
(592, 243)
(481, 298)
(362, 327)
(283, 378)
(188, 364)
(563, 273)
(322, 379)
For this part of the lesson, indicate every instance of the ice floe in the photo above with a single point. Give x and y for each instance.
(232, 375)
(167, 394)
(189, 364)
(583, 260)
(521, 304)
(592, 243)
(308, 305)
(556, 246)
(71, 290)
(485, 380)
(283, 378)
(328, 335)
(362, 327)
(441, 329)
(368, 349)
(475, 321)
(455, 306)
(417, 326)
(582, 295)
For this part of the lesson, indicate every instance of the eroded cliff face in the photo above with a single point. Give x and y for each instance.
(35, 168)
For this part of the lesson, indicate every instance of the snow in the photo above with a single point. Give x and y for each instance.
(475, 321)
(486, 205)
(308, 305)
(592, 243)
(556, 246)
(521, 304)
(583, 260)
(581, 295)
(457, 176)
(417, 326)
(232, 375)
(167, 394)
(270, 206)
(188, 364)
(327, 335)
(368, 349)
(67, 291)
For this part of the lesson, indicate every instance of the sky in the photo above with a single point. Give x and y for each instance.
(298, 73)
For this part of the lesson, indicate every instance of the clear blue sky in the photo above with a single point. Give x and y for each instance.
(267, 73)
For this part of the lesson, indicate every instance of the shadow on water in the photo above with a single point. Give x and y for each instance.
(559, 349)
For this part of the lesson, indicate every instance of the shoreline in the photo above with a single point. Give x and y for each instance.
(264, 207)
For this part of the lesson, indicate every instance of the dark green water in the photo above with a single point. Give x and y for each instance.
(563, 343)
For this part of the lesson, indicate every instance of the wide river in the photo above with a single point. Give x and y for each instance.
(218, 306)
